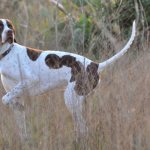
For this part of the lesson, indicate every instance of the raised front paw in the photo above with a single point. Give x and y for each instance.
(6, 100)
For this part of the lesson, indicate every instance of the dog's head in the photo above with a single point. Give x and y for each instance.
(7, 32)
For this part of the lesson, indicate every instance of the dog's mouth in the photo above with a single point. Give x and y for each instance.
(10, 36)
(10, 39)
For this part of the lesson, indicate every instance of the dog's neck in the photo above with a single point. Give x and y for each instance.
(5, 49)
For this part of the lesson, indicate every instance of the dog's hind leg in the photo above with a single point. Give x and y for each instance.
(74, 104)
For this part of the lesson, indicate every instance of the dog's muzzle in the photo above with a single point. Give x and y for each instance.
(10, 36)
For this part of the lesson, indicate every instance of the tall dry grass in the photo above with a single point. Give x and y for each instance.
(117, 114)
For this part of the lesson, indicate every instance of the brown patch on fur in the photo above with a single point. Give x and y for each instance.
(85, 80)
(33, 53)
(75, 66)
(93, 75)
(53, 61)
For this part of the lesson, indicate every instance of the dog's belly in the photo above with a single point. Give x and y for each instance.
(51, 79)
(45, 87)
(37, 89)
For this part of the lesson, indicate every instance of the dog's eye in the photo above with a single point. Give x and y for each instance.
(9, 26)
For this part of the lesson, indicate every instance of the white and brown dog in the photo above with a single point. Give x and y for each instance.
(37, 71)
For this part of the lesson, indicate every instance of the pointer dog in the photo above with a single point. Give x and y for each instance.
(27, 69)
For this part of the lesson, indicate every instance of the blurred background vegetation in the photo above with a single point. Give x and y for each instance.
(117, 114)
(94, 28)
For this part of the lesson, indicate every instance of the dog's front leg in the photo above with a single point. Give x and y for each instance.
(17, 91)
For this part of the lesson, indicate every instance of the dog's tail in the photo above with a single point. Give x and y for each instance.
(104, 64)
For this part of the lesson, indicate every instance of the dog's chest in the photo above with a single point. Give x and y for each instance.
(8, 76)
(12, 68)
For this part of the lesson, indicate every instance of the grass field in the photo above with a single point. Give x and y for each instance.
(117, 114)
